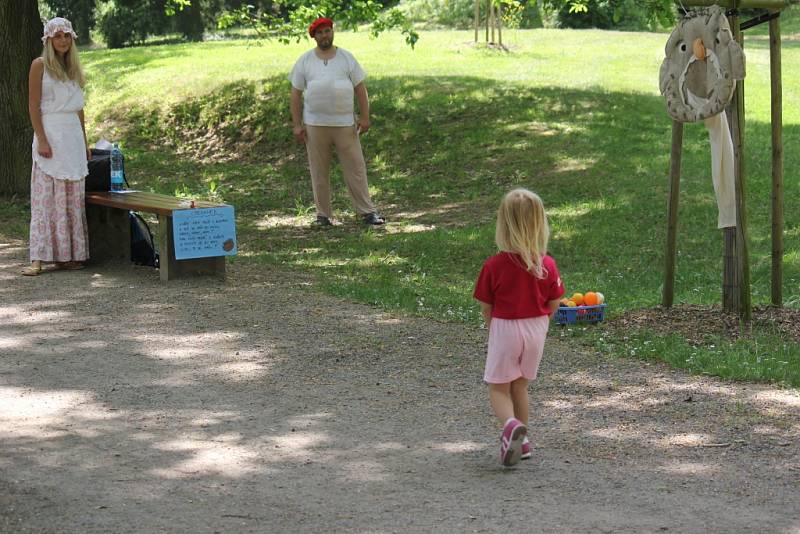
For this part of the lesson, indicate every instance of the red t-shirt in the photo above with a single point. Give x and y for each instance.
(515, 293)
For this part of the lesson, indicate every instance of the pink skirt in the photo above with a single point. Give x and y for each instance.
(58, 219)
(515, 349)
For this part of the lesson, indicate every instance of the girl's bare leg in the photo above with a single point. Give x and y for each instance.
(519, 398)
(500, 399)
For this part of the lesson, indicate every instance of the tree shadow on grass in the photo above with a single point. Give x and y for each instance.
(441, 153)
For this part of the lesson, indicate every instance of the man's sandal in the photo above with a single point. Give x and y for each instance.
(373, 219)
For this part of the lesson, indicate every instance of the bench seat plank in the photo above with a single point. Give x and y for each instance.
(143, 201)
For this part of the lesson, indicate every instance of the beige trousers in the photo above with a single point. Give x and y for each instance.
(319, 141)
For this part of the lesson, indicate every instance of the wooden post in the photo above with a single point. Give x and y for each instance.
(730, 272)
(777, 161)
(491, 19)
(670, 257)
(169, 268)
(737, 129)
(488, 17)
(500, 24)
(477, 18)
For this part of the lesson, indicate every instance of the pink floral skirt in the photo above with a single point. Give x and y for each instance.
(58, 219)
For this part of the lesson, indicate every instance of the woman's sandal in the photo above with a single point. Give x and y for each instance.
(32, 270)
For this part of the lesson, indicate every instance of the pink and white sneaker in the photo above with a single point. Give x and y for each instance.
(511, 442)
(526, 449)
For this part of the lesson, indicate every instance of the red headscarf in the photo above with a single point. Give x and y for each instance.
(320, 22)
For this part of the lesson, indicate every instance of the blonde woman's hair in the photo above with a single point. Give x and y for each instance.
(66, 68)
(522, 228)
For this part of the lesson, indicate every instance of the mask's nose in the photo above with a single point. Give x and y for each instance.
(699, 49)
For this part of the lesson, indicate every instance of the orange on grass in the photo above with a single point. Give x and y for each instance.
(590, 298)
(577, 298)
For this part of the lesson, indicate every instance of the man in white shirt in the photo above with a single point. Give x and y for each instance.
(324, 81)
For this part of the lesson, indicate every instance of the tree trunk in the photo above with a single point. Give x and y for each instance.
(19, 44)
(190, 22)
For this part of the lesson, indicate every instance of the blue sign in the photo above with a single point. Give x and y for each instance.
(204, 232)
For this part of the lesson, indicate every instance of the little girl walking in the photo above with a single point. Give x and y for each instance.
(518, 289)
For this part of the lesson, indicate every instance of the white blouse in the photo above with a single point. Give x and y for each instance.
(60, 104)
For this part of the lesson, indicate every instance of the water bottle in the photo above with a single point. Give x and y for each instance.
(117, 179)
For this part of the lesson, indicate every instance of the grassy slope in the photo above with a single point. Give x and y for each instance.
(574, 115)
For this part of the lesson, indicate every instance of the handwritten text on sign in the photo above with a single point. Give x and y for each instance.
(204, 232)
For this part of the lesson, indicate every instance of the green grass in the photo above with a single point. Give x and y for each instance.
(573, 115)
(765, 356)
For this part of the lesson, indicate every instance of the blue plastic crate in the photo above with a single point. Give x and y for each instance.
(580, 314)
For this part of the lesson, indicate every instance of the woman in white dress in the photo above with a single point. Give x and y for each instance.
(58, 231)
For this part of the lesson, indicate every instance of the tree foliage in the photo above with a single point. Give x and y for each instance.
(80, 12)
(289, 19)
(633, 14)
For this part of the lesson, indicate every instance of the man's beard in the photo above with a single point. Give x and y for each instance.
(326, 45)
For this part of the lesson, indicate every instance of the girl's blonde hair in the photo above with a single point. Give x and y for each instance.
(66, 68)
(522, 228)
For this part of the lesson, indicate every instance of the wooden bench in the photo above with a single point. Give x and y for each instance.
(110, 231)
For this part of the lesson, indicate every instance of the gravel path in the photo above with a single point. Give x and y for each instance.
(261, 405)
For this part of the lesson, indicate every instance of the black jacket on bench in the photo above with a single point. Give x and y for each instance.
(99, 178)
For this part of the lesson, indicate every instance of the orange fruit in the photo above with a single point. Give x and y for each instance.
(590, 298)
(577, 298)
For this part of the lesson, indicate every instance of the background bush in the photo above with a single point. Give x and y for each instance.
(124, 23)
(609, 14)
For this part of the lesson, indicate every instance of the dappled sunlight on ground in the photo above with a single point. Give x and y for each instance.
(45, 414)
(569, 165)
(443, 212)
(240, 371)
(23, 315)
(239, 404)
(221, 455)
(686, 440)
(365, 471)
(298, 444)
(788, 398)
(455, 447)
(689, 468)
(409, 228)
(186, 346)
(616, 433)
(282, 221)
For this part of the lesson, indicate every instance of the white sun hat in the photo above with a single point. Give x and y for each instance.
(56, 25)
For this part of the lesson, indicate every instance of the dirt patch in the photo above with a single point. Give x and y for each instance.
(695, 323)
(260, 405)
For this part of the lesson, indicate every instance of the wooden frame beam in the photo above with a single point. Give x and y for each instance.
(777, 160)
(741, 4)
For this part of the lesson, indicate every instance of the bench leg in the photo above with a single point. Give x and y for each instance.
(109, 234)
(170, 268)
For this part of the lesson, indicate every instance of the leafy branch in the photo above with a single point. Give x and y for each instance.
(290, 22)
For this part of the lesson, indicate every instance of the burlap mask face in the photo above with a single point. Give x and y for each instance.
(711, 79)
